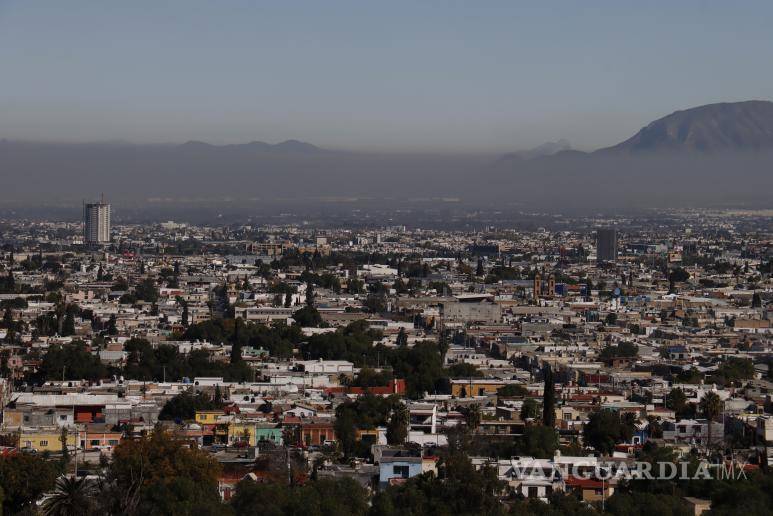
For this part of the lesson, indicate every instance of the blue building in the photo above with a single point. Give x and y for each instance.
(398, 465)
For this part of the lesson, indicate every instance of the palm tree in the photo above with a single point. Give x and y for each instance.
(711, 406)
(71, 497)
(397, 428)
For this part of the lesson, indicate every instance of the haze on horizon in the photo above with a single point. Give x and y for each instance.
(399, 76)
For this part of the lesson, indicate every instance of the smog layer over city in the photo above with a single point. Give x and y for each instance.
(374, 259)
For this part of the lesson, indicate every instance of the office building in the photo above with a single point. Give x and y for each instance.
(606, 245)
(96, 222)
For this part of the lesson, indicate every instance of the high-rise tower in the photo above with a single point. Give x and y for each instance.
(606, 245)
(96, 222)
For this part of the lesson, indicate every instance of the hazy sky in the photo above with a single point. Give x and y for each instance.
(392, 75)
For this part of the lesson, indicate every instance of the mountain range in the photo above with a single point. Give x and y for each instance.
(713, 154)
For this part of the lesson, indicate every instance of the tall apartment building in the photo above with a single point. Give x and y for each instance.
(606, 245)
(96, 222)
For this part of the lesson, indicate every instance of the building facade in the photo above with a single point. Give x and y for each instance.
(606, 245)
(96, 223)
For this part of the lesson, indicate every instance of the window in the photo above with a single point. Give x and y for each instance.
(533, 492)
(113, 442)
(94, 442)
(400, 471)
(63, 418)
(43, 443)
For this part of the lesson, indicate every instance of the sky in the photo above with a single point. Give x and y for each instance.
(386, 76)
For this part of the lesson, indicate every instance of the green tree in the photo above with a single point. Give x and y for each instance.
(68, 327)
(23, 480)
(65, 448)
(479, 271)
(459, 488)
(324, 497)
(308, 316)
(146, 291)
(472, 417)
(160, 474)
(549, 398)
(676, 400)
(74, 360)
(606, 428)
(530, 409)
(402, 337)
(397, 429)
(184, 406)
(711, 405)
(539, 441)
(464, 370)
(71, 497)
(512, 390)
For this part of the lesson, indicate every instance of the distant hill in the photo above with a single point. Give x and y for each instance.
(546, 149)
(720, 154)
(285, 147)
(728, 126)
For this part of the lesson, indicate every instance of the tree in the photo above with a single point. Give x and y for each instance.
(539, 441)
(458, 488)
(606, 428)
(472, 417)
(309, 294)
(68, 328)
(549, 398)
(184, 406)
(146, 291)
(308, 316)
(375, 303)
(23, 480)
(530, 409)
(397, 428)
(677, 401)
(160, 474)
(74, 360)
(65, 449)
(622, 350)
(112, 328)
(402, 337)
(355, 286)
(479, 269)
(288, 299)
(464, 370)
(512, 390)
(236, 346)
(72, 496)
(711, 406)
(324, 497)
